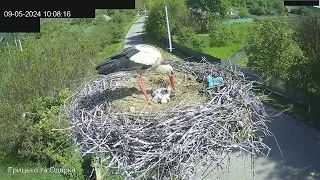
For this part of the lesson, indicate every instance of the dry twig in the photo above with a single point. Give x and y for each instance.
(174, 143)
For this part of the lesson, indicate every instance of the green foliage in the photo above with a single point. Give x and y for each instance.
(259, 8)
(272, 50)
(198, 44)
(156, 21)
(82, 21)
(244, 13)
(238, 3)
(218, 6)
(303, 10)
(240, 32)
(306, 71)
(237, 39)
(41, 143)
(187, 37)
(140, 4)
(264, 7)
(220, 33)
(56, 58)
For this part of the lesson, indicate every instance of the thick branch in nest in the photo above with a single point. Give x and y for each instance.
(172, 142)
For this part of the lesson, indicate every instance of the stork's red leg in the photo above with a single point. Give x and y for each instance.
(141, 85)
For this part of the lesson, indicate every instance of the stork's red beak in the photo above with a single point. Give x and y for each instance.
(172, 81)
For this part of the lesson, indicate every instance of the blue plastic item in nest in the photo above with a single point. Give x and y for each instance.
(214, 81)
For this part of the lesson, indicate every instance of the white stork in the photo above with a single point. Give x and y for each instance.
(139, 58)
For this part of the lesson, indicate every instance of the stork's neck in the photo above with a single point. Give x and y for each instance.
(163, 69)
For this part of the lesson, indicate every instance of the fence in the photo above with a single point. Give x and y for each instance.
(197, 56)
(274, 85)
(241, 20)
(237, 57)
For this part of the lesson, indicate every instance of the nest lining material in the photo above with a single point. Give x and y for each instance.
(129, 97)
(174, 142)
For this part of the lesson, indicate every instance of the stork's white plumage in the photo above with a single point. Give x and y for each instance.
(139, 58)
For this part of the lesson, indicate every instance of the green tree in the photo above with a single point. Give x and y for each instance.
(307, 72)
(272, 50)
(217, 6)
(156, 21)
(279, 6)
(220, 33)
(185, 35)
(244, 13)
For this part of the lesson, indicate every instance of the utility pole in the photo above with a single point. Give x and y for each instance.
(145, 10)
(168, 27)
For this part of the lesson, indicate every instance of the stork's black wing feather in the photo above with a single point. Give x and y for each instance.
(128, 52)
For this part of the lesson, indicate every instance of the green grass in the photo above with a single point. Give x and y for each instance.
(234, 46)
(224, 52)
(243, 62)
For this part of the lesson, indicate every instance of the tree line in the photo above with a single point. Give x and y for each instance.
(275, 47)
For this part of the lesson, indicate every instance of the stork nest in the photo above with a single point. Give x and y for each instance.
(174, 142)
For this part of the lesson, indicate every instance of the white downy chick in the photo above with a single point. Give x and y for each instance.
(157, 98)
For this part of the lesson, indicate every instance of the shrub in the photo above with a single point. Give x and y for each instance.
(198, 43)
(185, 35)
(244, 13)
(41, 143)
(220, 33)
(156, 21)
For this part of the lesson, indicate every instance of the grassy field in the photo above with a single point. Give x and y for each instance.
(243, 62)
(238, 39)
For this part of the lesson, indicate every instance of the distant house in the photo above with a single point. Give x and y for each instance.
(234, 14)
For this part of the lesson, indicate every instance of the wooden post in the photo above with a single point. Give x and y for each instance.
(168, 27)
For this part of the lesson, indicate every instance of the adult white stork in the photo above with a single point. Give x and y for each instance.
(139, 58)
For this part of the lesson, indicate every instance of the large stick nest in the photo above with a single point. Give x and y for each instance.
(171, 143)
